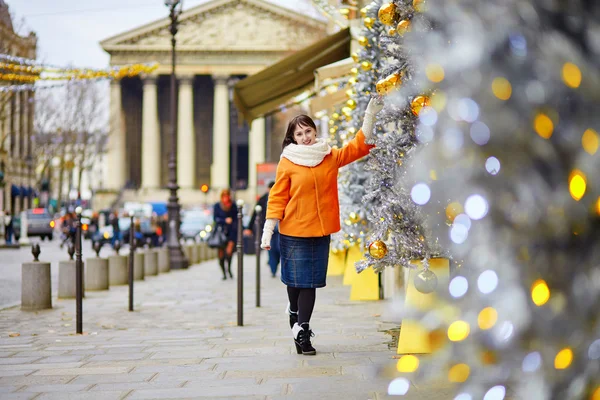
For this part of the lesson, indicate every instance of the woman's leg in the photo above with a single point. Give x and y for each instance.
(293, 294)
(229, 251)
(306, 304)
(221, 253)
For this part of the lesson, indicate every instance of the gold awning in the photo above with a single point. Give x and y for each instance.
(266, 90)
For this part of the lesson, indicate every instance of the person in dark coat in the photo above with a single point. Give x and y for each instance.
(274, 255)
(225, 216)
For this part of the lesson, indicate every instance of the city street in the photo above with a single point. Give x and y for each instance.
(11, 260)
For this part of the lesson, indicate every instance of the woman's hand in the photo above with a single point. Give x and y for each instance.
(375, 105)
(228, 220)
(265, 242)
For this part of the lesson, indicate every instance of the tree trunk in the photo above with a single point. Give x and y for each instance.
(79, 178)
(61, 174)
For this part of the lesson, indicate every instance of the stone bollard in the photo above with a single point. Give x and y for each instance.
(187, 250)
(36, 285)
(195, 255)
(67, 282)
(138, 266)
(150, 263)
(96, 274)
(163, 260)
(117, 270)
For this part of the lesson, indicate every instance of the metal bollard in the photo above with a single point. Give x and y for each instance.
(257, 236)
(78, 273)
(131, 257)
(240, 257)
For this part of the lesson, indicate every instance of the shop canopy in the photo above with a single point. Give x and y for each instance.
(266, 90)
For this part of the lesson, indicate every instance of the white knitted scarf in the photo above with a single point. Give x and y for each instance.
(307, 156)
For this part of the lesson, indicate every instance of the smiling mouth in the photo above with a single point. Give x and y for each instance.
(307, 142)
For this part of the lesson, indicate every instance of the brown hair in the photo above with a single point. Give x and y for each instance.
(225, 207)
(301, 119)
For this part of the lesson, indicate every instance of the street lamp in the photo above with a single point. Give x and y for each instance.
(177, 258)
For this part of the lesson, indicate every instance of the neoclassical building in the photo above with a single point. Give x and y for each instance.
(16, 124)
(218, 43)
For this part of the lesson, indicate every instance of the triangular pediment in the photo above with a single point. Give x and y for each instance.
(226, 25)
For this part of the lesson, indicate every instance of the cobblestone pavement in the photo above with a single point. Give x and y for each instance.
(183, 342)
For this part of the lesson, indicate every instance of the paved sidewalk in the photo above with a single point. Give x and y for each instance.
(183, 342)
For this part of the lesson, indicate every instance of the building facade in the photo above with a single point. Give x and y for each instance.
(218, 43)
(16, 124)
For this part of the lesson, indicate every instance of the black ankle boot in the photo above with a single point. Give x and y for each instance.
(222, 264)
(302, 335)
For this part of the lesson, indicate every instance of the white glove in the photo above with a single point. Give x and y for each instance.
(375, 105)
(265, 242)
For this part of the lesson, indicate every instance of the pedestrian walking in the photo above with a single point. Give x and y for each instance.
(304, 202)
(225, 217)
(114, 222)
(274, 255)
(8, 227)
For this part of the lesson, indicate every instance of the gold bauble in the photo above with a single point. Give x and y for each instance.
(394, 79)
(378, 249)
(352, 81)
(354, 71)
(347, 111)
(363, 12)
(417, 104)
(354, 217)
(453, 209)
(335, 116)
(363, 41)
(419, 5)
(403, 27)
(383, 87)
(368, 21)
(355, 57)
(386, 13)
(366, 65)
(351, 103)
(392, 31)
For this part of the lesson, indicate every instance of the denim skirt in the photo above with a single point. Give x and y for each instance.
(304, 260)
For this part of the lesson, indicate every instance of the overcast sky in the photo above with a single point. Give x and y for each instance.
(69, 31)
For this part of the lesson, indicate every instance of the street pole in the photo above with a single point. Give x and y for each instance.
(257, 235)
(131, 259)
(240, 257)
(176, 256)
(78, 273)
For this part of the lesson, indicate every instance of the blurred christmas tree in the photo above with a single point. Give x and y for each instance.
(512, 140)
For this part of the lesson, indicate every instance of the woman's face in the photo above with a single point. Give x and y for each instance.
(305, 135)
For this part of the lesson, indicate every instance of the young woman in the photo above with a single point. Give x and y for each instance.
(304, 201)
(225, 215)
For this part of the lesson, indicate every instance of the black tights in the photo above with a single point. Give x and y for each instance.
(302, 301)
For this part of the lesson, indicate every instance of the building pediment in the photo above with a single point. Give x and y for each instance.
(225, 26)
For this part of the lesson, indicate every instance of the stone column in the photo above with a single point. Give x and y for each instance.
(219, 171)
(150, 136)
(116, 173)
(256, 150)
(186, 141)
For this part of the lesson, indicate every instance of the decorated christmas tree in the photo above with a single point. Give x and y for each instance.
(507, 155)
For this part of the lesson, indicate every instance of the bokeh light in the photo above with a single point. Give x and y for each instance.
(463, 396)
(459, 373)
(501, 88)
(563, 359)
(453, 209)
(398, 387)
(459, 233)
(487, 318)
(476, 206)
(543, 125)
(590, 141)
(577, 184)
(540, 293)
(487, 281)
(492, 165)
(532, 362)
(463, 219)
(594, 350)
(495, 393)
(458, 286)
(458, 331)
(596, 394)
(420, 193)
(571, 75)
(435, 72)
(408, 363)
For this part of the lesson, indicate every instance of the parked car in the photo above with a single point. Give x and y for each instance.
(193, 223)
(147, 231)
(39, 223)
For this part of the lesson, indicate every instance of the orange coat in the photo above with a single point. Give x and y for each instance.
(305, 199)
